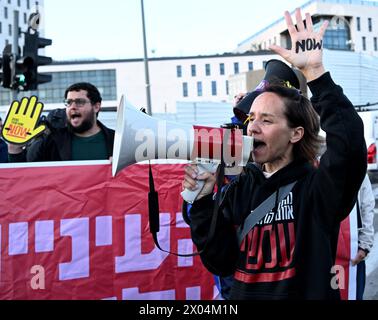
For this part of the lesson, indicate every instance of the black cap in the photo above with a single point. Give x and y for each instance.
(274, 70)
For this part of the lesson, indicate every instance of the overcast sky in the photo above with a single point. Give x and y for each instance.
(112, 29)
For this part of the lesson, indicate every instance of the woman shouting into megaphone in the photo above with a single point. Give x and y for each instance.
(278, 221)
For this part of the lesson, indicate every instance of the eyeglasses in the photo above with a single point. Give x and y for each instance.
(78, 102)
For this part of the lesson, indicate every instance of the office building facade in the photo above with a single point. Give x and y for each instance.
(353, 27)
(207, 80)
(24, 8)
(172, 80)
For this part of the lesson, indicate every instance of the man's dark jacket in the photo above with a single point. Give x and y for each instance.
(57, 146)
(3, 151)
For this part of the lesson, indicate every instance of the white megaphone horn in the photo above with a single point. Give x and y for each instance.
(140, 137)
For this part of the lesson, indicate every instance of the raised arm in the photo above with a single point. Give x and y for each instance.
(343, 165)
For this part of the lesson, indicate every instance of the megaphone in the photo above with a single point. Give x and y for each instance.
(275, 70)
(140, 137)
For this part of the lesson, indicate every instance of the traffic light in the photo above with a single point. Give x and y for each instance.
(6, 65)
(28, 64)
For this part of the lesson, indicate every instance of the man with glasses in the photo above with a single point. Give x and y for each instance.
(84, 137)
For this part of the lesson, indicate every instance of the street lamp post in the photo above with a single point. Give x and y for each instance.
(147, 75)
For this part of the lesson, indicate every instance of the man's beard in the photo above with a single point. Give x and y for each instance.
(87, 124)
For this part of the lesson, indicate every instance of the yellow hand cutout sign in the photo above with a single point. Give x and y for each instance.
(21, 121)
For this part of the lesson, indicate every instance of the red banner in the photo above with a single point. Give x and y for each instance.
(75, 232)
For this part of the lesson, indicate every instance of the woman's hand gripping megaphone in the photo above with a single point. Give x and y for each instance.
(199, 181)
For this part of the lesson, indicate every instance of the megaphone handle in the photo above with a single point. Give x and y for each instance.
(190, 196)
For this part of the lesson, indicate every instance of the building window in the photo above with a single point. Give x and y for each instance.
(370, 24)
(199, 89)
(358, 24)
(337, 36)
(19, 3)
(208, 70)
(214, 88)
(10, 29)
(194, 70)
(9, 1)
(375, 44)
(5, 12)
(179, 71)
(250, 65)
(236, 67)
(25, 18)
(227, 87)
(28, 4)
(221, 69)
(1, 28)
(185, 89)
(364, 43)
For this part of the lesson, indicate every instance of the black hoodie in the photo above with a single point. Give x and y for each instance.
(289, 254)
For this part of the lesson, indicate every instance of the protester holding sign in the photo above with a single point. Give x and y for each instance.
(287, 211)
(84, 138)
